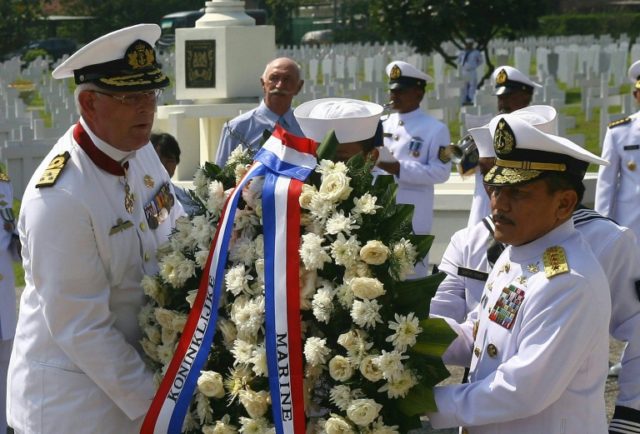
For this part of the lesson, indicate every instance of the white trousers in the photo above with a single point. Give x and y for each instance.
(5, 354)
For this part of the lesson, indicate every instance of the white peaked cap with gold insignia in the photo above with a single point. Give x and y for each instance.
(506, 79)
(403, 75)
(543, 117)
(634, 74)
(123, 60)
(351, 119)
(524, 153)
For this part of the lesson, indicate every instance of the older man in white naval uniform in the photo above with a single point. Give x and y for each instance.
(537, 341)
(417, 142)
(92, 218)
(472, 251)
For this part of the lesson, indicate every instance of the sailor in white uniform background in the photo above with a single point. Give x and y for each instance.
(417, 142)
(537, 341)
(472, 251)
(618, 186)
(92, 218)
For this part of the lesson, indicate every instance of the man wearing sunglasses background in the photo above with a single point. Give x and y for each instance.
(92, 218)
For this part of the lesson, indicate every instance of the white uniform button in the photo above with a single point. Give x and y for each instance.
(146, 257)
(143, 226)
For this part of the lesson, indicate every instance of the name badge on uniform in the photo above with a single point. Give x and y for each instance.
(473, 274)
(158, 208)
(415, 146)
(631, 147)
(505, 310)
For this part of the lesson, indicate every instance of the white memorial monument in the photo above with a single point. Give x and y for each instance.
(218, 65)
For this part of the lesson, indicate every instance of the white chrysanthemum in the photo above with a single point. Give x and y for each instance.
(337, 425)
(341, 223)
(190, 422)
(256, 403)
(248, 317)
(153, 333)
(237, 279)
(216, 198)
(407, 328)
(176, 269)
(340, 368)
(345, 252)
(191, 297)
(165, 353)
(390, 363)
(202, 231)
(228, 330)
(178, 323)
(322, 304)
(221, 426)
(326, 167)
(380, 428)
(238, 154)
(201, 184)
(210, 383)
(404, 253)
(369, 369)
(169, 336)
(363, 411)
(146, 316)
(242, 351)
(153, 289)
(164, 317)
(400, 386)
(374, 252)
(345, 296)
(259, 264)
(246, 220)
(312, 253)
(316, 351)
(258, 361)
(357, 269)
(150, 349)
(321, 209)
(366, 313)
(253, 192)
(335, 187)
(340, 396)
(367, 288)
(200, 257)
(366, 204)
(242, 250)
(239, 171)
(258, 245)
(307, 195)
(250, 425)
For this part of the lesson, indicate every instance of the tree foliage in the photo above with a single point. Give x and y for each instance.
(18, 16)
(280, 13)
(426, 25)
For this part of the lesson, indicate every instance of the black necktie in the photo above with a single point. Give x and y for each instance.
(494, 251)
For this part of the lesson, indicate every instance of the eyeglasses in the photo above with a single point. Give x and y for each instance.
(134, 99)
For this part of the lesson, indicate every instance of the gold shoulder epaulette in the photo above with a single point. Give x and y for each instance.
(4, 177)
(53, 170)
(620, 122)
(555, 261)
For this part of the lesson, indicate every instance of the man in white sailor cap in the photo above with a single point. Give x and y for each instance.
(417, 142)
(537, 341)
(356, 124)
(618, 185)
(472, 252)
(92, 218)
(513, 88)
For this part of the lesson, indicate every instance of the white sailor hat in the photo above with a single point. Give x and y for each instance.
(123, 60)
(634, 74)
(507, 79)
(543, 117)
(525, 154)
(403, 75)
(351, 119)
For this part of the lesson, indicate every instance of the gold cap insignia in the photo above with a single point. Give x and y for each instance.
(140, 55)
(555, 261)
(502, 77)
(637, 86)
(504, 141)
(395, 72)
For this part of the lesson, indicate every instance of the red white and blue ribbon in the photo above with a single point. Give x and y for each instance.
(281, 158)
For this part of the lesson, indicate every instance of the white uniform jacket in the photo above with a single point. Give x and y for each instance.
(415, 139)
(7, 283)
(540, 351)
(618, 186)
(481, 204)
(76, 364)
(615, 247)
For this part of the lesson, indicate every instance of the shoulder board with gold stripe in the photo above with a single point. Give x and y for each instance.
(53, 170)
(4, 177)
(620, 122)
(555, 261)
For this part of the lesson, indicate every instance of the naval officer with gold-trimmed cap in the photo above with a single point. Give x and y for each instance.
(513, 88)
(537, 342)
(417, 142)
(92, 218)
(618, 186)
